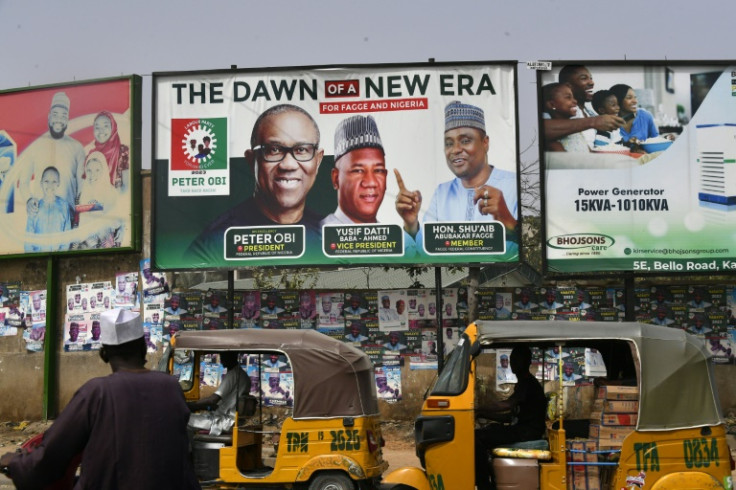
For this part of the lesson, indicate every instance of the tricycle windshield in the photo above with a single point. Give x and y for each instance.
(453, 379)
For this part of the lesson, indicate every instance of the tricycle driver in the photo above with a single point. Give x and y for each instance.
(528, 406)
(235, 384)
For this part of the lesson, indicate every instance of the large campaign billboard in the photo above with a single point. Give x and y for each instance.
(69, 161)
(639, 163)
(411, 164)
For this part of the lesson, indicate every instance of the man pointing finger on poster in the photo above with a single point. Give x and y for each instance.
(479, 191)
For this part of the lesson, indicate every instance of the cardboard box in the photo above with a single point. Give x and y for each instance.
(609, 433)
(602, 418)
(583, 477)
(615, 406)
(618, 392)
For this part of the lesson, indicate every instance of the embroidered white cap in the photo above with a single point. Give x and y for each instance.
(119, 326)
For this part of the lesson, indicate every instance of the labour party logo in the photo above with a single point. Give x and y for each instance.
(199, 144)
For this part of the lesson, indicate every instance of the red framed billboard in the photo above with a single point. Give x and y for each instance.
(336, 165)
(639, 166)
(69, 166)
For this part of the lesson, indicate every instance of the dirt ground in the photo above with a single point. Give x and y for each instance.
(398, 451)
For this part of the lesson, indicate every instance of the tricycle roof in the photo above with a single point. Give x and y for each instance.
(331, 378)
(675, 375)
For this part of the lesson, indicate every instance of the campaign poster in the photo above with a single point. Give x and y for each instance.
(388, 383)
(638, 166)
(126, 292)
(69, 157)
(10, 293)
(250, 311)
(154, 284)
(392, 310)
(330, 319)
(412, 164)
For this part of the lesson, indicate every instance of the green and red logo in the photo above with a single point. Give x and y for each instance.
(199, 144)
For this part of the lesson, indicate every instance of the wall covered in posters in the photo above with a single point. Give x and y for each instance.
(68, 161)
(328, 166)
(639, 170)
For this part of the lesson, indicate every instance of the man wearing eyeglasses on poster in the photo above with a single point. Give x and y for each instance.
(285, 156)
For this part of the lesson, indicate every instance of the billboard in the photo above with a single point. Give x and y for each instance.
(68, 166)
(336, 165)
(639, 164)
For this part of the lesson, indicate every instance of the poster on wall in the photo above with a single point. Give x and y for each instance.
(382, 164)
(68, 161)
(638, 166)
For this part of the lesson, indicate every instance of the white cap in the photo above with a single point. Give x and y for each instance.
(119, 326)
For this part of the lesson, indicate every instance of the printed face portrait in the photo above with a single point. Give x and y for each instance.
(84, 303)
(38, 333)
(568, 369)
(360, 179)
(326, 304)
(448, 308)
(36, 301)
(610, 105)
(173, 328)
(92, 303)
(95, 330)
(393, 338)
(504, 361)
(499, 302)
(563, 102)
(271, 302)
(156, 317)
(58, 120)
(174, 303)
(432, 309)
(420, 310)
(147, 273)
(355, 301)
(466, 150)
(582, 84)
(49, 182)
(386, 302)
(273, 381)
(106, 302)
(412, 303)
(121, 284)
(70, 304)
(102, 129)
(214, 301)
(630, 102)
(95, 169)
(283, 186)
(73, 331)
(355, 329)
(400, 306)
(77, 298)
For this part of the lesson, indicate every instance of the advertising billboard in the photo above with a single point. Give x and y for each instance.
(69, 161)
(639, 164)
(411, 164)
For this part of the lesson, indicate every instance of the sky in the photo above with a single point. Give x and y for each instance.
(57, 42)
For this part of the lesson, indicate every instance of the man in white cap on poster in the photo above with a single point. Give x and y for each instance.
(359, 176)
(479, 192)
(53, 148)
(130, 426)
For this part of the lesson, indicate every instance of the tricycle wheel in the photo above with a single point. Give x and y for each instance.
(331, 481)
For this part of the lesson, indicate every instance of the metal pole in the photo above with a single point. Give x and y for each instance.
(50, 352)
(440, 308)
